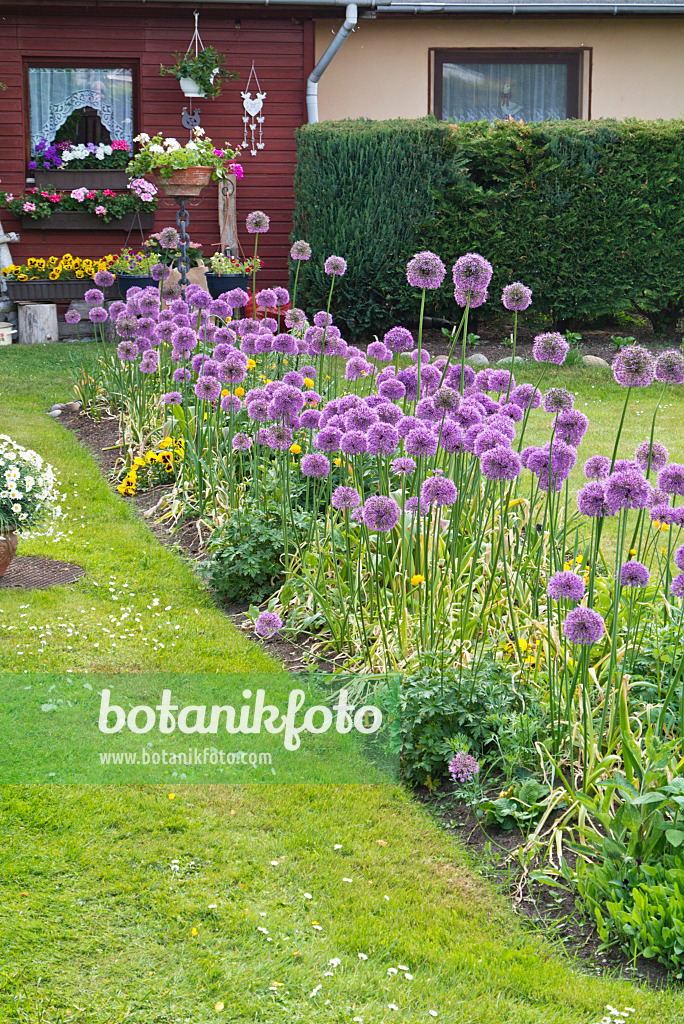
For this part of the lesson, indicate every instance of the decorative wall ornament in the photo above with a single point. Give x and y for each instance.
(253, 119)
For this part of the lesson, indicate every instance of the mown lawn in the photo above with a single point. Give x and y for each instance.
(155, 905)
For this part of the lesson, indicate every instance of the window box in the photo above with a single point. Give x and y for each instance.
(55, 291)
(76, 221)
(90, 179)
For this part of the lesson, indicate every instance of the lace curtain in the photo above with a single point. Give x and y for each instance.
(484, 92)
(56, 92)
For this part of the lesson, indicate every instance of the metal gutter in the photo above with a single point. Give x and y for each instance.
(350, 22)
(529, 8)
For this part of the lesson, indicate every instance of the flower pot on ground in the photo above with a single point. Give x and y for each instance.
(8, 549)
(126, 281)
(218, 284)
(185, 181)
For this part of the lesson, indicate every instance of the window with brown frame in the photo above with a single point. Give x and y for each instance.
(526, 85)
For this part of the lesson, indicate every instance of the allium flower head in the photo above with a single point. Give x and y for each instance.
(671, 479)
(97, 315)
(550, 348)
(565, 586)
(353, 442)
(661, 512)
(597, 467)
(378, 350)
(500, 381)
(425, 270)
(345, 498)
(557, 400)
(173, 398)
(583, 626)
(403, 466)
(473, 299)
(127, 351)
(381, 513)
(634, 574)
(315, 465)
(236, 298)
(241, 442)
(527, 396)
(472, 272)
(501, 463)
(653, 456)
(335, 266)
(266, 298)
(438, 490)
(516, 296)
(399, 339)
(382, 439)
(208, 388)
(627, 489)
(168, 238)
(257, 222)
(300, 250)
(149, 362)
(669, 367)
(634, 367)
(463, 768)
(268, 624)
(95, 296)
(421, 442)
(72, 316)
(591, 500)
(103, 278)
(677, 586)
(571, 426)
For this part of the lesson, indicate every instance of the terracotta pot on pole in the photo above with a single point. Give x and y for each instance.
(186, 181)
(8, 549)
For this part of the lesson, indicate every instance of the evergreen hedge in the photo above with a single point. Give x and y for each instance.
(590, 215)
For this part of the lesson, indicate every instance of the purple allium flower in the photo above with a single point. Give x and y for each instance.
(328, 439)
(72, 316)
(661, 512)
(266, 298)
(345, 498)
(393, 390)
(501, 463)
(185, 339)
(241, 442)
(421, 442)
(469, 415)
(231, 403)
(398, 339)
(583, 626)
(558, 400)
(425, 270)
(516, 296)
(463, 768)
(475, 299)
(488, 438)
(310, 419)
(679, 558)
(286, 401)
(472, 272)
(403, 466)
(671, 479)
(634, 367)
(678, 516)
(294, 378)
(322, 319)
(95, 296)
(220, 308)
(627, 489)
(278, 437)
(360, 417)
(571, 426)
(378, 350)
(207, 388)
(159, 272)
(103, 279)
(382, 439)
(181, 375)
(677, 586)
(438, 490)
(416, 507)
(315, 465)
(127, 351)
(267, 623)
(286, 344)
(116, 309)
(178, 307)
(236, 298)
(257, 222)
(149, 362)
(353, 442)
(300, 250)
(381, 513)
(591, 501)
(425, 410)
(221, 352)
(657, 453)
(430, 377)
(282, 296)
(550, 348)
(357, 368)
(565, 586)
(295, 319)
(451, 437)
(500, 381)
(669, 367)
(512, 411)
(173, 398)
(203, 364)
(420, 355)
(168, 238)
(634, 574)
(200, 299)
(164, 332)
(233, 369)
(552, 466)
(456, 372)
(335, 266)
(597, 467)
(446, 400)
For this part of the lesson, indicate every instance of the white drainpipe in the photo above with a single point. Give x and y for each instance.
(351, 18)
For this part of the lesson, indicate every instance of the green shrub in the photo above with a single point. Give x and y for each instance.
(588, 214)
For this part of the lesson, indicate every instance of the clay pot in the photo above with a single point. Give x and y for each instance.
(186, 181)
(8, 549)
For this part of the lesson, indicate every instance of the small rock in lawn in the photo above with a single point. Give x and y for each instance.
(595, 361)
(507, 360)
(55, 413)
(57, 405)
(72, 407)
(477, 359)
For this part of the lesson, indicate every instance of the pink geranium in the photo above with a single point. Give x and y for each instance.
(79, 194)
(237, 170)
(91, 194)
(29, 207)
(100, 209)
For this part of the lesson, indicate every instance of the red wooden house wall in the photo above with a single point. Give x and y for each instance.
(282, 49)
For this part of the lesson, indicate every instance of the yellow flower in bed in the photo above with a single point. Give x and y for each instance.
(52, 260)
(22, 277)
(79, 273)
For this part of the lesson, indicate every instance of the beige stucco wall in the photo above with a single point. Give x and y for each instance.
(637, 64)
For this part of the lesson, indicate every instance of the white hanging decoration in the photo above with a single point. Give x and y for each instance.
(253, 119)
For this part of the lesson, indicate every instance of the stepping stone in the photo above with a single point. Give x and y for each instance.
(477, 359)
(595, 361)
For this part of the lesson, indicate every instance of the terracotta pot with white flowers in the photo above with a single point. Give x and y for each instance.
(29, 499)
(184, 170)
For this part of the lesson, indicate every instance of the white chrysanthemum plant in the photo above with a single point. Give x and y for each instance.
(30, 502)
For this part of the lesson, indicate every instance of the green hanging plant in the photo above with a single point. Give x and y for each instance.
(207, 68)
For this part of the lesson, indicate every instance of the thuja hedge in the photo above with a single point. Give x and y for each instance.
(590, 215)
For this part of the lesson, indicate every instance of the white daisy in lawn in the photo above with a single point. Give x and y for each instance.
(362, 956)
(335, 962)
(392, 1006)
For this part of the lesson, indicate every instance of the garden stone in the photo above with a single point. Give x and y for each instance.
(56, 406)
(71, 407)
(477, 359)
(595, 361)
(510, 360)
(55, 413)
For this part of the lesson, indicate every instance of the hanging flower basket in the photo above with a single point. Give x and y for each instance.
(195, 90)
(185, 181)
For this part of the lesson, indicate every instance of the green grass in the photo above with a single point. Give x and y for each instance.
(97, 923)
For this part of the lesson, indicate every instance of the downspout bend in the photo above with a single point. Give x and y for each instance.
(350, 22)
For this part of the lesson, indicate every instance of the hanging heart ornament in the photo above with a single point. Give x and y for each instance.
(252, 106)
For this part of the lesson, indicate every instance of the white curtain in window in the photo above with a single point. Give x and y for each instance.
(484, 92)
(56, 92)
